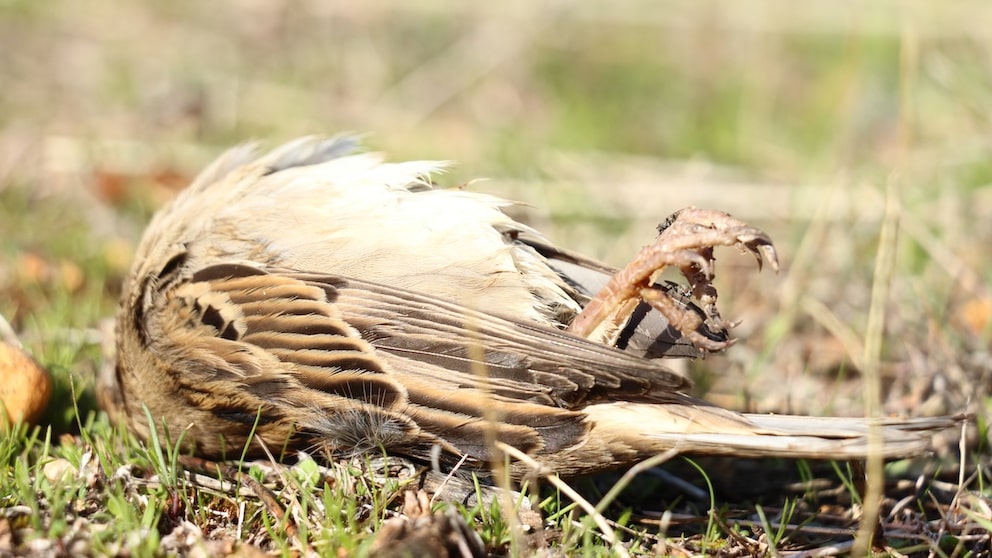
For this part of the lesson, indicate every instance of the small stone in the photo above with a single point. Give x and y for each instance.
(58, 470)
(25, 386)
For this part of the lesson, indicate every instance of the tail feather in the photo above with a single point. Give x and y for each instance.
(706, 430)
(845, 426)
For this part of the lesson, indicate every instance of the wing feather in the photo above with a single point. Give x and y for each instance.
(576, 371)
(407, 374)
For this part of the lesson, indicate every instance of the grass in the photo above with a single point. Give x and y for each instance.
(603, 121)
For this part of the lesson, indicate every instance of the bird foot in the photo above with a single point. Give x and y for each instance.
(685, 240)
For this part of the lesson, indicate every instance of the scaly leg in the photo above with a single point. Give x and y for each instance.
(685, 240)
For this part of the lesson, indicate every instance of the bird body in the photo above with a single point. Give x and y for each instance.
(312, 297)
(282, 211)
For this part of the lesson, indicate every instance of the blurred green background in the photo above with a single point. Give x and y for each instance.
(602, 118)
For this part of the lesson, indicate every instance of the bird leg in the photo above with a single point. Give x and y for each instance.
(685, 240)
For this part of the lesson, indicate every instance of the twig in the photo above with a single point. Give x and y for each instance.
(261, 491)
(832, 550)
(7, 333)
(447, 479)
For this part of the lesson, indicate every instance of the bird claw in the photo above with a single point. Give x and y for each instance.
(702, 229)
(685, 240)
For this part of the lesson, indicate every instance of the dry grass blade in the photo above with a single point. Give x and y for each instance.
(606, 531)
(632, 474)
(869, 532)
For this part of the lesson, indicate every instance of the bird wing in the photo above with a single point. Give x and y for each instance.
(355, 365)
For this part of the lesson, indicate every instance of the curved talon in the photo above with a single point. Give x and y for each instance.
(768, 250)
